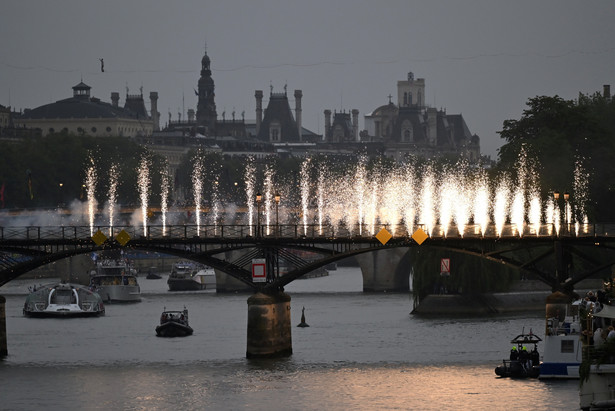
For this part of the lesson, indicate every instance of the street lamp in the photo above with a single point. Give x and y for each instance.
(277, 198)
(566, 208)
(60, 185)
(259, 198)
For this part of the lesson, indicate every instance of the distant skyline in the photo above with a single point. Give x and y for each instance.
(481, 59)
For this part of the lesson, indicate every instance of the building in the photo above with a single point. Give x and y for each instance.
(410, 127)
(83, 114)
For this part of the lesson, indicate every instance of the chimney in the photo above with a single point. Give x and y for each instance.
(115, 98)
(607, 91)
(153, 98)
(355, 124)
(327, 124)
(259, 109)
(298, 95)
(190, 115)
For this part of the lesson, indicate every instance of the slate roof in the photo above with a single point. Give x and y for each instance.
(75, 107)
(279, 110)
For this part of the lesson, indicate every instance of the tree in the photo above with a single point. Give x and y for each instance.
(558, 133)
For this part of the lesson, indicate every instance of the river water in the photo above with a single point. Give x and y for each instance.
(361, 351)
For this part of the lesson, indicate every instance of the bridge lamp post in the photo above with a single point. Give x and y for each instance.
(566, 210)
(60, 185)
(277, 198)
(259, 198)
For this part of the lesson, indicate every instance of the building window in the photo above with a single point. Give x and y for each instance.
(274, 132)
(51, 130)
(409, 99)
(406, 131)
(93, 129)
(108, 129)
(405, 99)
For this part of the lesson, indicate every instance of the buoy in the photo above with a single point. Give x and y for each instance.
(303, 323)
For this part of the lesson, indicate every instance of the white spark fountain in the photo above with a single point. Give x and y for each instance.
(427, 202)
(249, 177)
(268, 198)
(320, 192)
(580, 189)
(164, 199)
(304, 181)
(90, 185)
(113, 184)
(500, 207)
(197, 188)
(481, 202)
(144, 183)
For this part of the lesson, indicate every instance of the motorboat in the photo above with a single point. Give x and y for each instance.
(188, 276)
(152, 274)
(562, 347)
(115, 281)
(174, 324)
(63, 300)
(522, 363)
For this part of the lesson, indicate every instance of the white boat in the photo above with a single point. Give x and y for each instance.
(115, 281)
(190, 276)
(63, 300)
(207, 277)
(598, 370)
(562, 345)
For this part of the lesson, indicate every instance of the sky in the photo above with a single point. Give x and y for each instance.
(480, 58)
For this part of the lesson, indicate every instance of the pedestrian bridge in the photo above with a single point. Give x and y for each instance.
(560, 259)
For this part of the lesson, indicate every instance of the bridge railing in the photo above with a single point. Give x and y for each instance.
(44, 233)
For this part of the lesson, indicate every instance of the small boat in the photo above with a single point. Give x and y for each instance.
(63, 300)
(174, 324)
(521, 363)
(115, 281)
(152, 274)
(187, 276)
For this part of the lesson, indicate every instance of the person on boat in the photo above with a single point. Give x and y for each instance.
(611, 335)
(514, 354)
(524, 358)
(535, 356)
(598, 340)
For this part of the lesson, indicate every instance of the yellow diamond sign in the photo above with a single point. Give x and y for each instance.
(123, 237)
(99, 238)
(419, 236)
(383, 236)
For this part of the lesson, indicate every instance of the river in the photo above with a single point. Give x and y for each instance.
(361, 351)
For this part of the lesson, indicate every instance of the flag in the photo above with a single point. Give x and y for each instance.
(102, 65)
(2, 195)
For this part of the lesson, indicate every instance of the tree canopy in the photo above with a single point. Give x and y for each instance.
(557, 135)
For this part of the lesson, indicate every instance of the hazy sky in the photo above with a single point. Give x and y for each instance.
(483, 59)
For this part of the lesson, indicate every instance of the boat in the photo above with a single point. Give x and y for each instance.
(597, 370)
(152, 274)
(562, 347)
(207, 277)
(189, 276)
(522, 363)
(174, 324)
(115, 281)
(63, 300)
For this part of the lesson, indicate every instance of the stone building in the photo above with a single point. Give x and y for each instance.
(410, 127)
(83, 114)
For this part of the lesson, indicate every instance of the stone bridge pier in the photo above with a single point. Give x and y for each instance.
(385, 270)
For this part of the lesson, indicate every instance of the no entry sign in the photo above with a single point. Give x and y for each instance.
(445, 266)
(259, 270)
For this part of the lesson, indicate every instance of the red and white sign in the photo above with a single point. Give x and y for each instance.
(259, 270)
(445, 266)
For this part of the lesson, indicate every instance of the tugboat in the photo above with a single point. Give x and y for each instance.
(174, 324)
(522, 363)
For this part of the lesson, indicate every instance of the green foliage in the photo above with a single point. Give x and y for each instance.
(556, 133)
(62, 159)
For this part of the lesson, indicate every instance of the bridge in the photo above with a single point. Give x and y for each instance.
(560, 259)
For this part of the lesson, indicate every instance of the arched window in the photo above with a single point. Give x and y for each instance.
(405, 99)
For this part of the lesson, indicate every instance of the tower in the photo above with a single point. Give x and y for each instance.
(259, 109)
(298, 95)
(206, 108)
(153, 98)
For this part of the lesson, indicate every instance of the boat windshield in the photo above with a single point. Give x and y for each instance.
(113, 280)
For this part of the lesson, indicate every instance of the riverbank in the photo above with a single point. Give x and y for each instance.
(524, 296)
